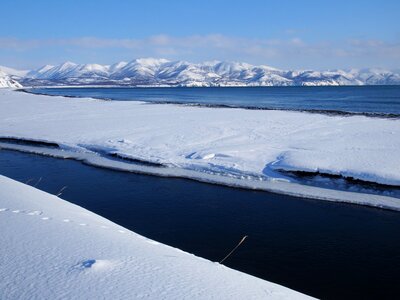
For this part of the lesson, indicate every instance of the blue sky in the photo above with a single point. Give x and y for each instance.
(285, 34)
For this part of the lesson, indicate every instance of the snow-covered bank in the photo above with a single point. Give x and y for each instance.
(230, 146)
(52, 249)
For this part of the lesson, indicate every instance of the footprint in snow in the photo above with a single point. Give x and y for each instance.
(35, 213)
(38, 213)
(92, 265)
(88, 263)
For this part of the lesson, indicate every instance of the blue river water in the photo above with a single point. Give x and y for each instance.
(324, 249)
(370, 100)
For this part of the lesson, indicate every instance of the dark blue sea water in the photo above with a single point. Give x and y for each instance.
(353, 99)
(325, 249)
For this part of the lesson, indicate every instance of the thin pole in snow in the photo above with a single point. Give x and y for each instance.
(61, 191)
(40, 179)
(233, 250)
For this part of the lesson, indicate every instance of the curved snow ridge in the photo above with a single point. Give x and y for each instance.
(113, 153)
(295, 161)
(281, 185)
(272, 172)
(58, 250)
(29, 142)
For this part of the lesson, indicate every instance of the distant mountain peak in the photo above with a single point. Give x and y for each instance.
(162, 72)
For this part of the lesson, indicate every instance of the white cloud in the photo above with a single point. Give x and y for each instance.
(216, 46)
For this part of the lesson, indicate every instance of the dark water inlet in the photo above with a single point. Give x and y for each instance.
(28, 142)
(327, 250)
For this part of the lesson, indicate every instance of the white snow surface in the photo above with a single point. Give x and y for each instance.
(7, 82)
(52, 249)
(239, 147)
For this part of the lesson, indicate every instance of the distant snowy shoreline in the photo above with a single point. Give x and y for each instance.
(208, 105)
(241, 148)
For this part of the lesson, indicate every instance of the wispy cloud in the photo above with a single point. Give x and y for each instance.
(217, 46)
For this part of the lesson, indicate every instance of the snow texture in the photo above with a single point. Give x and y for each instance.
(238, 147)
(161, 72)
(52, 249)
(7, 82)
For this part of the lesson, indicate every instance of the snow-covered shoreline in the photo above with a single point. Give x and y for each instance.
(53, 249)
(234, 147)
(327, 112)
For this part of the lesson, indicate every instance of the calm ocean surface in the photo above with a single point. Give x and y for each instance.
(353, 99)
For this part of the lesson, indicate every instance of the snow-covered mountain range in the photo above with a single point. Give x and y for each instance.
(161, 72)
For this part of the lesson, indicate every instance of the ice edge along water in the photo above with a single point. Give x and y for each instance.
(228, 149)
(275, 185)
(53, 249)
